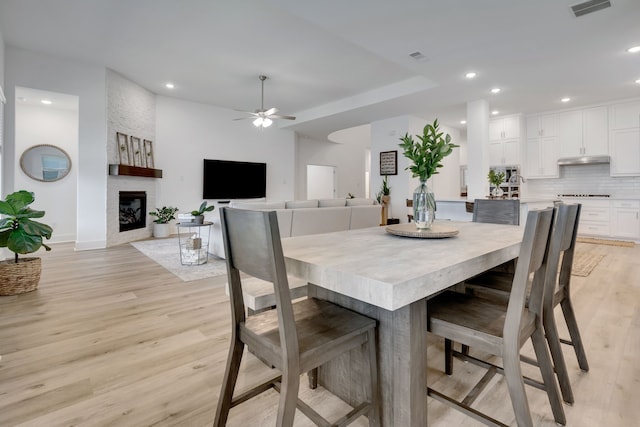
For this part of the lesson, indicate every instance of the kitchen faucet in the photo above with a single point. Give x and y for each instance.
(514, 180)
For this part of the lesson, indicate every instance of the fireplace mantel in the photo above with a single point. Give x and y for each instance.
(126, 170)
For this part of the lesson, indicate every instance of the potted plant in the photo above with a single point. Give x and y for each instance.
(426, 156)
(198, 215)
(495, 179)
(161, 223)
(21, 235)
(383, 197)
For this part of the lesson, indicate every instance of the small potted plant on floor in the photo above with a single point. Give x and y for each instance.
(198, 215)
(161, 223)
(21, 235)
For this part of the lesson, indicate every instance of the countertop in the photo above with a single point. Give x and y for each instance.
(524, 200)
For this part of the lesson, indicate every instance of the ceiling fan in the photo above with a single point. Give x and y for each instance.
(264, 118)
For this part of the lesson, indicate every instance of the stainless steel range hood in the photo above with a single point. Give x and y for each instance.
(584, 160)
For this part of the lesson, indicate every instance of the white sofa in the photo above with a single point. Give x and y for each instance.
(302, 217)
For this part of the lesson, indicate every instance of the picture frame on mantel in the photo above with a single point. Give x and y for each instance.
(389, 162)
(122, 141)
(136, 151)
(148, 153)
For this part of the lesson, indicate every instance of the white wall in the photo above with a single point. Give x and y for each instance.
(49, 125)
(188, 132)
(446, 183)
(29, 69)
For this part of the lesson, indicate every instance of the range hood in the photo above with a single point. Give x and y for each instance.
(584, 160)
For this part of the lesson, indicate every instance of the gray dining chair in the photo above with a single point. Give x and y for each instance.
(295, 337)
(500, 211)
(502, 329)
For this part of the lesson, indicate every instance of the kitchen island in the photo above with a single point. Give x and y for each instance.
(455, 208)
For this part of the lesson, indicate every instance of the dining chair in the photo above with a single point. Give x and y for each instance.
(501, 211)
(561, 252)
(502, 330)
(295, 337)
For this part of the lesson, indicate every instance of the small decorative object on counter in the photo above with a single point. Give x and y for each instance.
(495, 179)
(426, 156)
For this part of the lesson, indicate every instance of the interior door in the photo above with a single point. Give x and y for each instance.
(321, 182)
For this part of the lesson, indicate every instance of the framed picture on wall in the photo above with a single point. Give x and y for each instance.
(389, 162)
(136, 151)
(148, 153)
(122, 140)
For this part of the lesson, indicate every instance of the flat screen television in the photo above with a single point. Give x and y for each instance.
(227, 179)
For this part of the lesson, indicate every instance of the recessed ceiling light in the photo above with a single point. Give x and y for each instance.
(634, 49)
(566, 99)
(46, 101)
(169, 85)
(495, 90)
(470, 75)
(638, 81)
(463, 122)
(495, 112)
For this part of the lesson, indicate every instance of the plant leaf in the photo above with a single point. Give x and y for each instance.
(36, 228)
(23, 243)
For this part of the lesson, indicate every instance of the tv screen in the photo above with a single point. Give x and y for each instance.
(226, 179)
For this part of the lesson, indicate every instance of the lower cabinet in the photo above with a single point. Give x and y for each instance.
(626, 219)
(609, 218)
(595, 218)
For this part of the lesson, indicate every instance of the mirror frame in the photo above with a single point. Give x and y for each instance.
(32, 148)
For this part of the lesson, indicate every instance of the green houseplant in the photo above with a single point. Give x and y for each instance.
(198, 214)
(21, 235)
(495, 179)
(426, 156)
(161, 224)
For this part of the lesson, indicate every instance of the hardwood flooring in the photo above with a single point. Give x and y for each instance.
(111, 338)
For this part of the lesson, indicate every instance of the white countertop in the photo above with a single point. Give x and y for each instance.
(523, 200)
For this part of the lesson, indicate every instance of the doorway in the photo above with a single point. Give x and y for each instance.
(321, 182)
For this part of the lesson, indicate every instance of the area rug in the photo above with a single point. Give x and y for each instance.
(605, 242)
(166, 252)
(584, 262)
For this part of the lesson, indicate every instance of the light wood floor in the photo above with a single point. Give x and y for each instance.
(112, 339)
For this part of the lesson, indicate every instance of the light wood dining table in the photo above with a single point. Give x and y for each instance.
(389, 278)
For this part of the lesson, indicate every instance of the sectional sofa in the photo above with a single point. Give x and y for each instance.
(302, 217)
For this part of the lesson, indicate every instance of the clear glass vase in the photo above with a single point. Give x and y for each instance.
(424, 206)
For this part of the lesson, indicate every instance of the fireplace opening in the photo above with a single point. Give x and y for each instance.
(133, 210)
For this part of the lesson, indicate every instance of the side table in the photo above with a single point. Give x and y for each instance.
(194, 242)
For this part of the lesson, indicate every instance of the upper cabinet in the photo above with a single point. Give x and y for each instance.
(543, 125)
(624, 139)
(504, 141)
(541, 147)
(583, 132)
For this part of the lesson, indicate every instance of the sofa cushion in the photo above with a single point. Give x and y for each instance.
(316, 221)
(262, 206)
(331, 203)
(301, 204)
(365, 216)
(360, 201)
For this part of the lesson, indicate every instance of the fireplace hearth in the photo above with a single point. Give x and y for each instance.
(132, 210)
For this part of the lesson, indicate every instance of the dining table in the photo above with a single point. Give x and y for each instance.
(389, 277)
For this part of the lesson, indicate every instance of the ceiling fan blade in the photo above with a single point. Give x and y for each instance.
(275, 116)
(271, 111)
(243, 118)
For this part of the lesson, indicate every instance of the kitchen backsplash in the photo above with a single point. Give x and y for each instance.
(584, 179)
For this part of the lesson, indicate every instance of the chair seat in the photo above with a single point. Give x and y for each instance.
(324, 330)
(475, 322)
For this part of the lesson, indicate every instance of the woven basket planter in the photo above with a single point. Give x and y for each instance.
(20, 277)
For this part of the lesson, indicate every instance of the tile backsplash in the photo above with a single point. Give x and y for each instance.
(584, 179)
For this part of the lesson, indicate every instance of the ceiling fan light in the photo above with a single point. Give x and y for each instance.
(266, 122)
(258, 122)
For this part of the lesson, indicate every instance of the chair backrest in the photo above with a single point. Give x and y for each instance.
(501, 211)
(529, 277)
(252, 246)
(569, 246)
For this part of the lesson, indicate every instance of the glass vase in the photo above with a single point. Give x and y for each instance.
(424, 206)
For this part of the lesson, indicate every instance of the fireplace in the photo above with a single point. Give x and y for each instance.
(133, 210)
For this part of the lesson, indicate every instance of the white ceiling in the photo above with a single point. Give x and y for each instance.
(341, 63)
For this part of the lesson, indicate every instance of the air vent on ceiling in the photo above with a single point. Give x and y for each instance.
(589, 7)
(418, 56)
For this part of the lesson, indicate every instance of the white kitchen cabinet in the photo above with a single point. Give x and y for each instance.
(595, 217)
(543, 125)
(583, 132)
(624, 148)
(504, 152)
(541, 158)
(626, 219)
(504, 128)
(625, 115)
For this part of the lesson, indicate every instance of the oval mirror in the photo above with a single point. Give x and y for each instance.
(45, 162)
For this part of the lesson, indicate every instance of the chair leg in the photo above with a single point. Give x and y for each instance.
(448, 356)
(374, 414)
(229, 382)
(574, 332)
(465, 350)
(553, 340)
(288, 398)
(313, 378)
(515, 383)
(548, 376)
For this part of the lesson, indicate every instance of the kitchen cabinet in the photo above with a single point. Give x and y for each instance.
(624, 139)
(504, 141)
(504, 128)
(625, 115)
(583, 132)
(626, 219)
(595, 217)
(541, 158)
(543, 125)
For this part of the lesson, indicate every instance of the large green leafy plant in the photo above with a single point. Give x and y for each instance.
(18, 231)
(164, 214)
(427, 153)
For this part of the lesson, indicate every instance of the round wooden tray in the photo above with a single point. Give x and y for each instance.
(437, 231)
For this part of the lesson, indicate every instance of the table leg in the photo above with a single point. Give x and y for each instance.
(402, 359)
